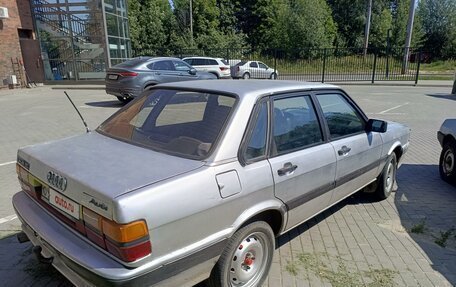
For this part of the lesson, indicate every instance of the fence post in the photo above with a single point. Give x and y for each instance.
(375, 66)
(324, 66)
(418, 68)
(228, 55)
(275, 61)
(453, 91)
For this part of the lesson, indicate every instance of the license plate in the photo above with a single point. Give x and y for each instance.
(112, 77)
(64, 204)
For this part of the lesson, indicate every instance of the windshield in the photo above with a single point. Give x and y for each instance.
(183, 123)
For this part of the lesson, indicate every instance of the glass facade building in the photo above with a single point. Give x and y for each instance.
(80, 39)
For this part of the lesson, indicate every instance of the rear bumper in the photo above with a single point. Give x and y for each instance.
(121, 91)
(86, 265)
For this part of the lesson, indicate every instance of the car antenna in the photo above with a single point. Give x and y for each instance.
(85, 124)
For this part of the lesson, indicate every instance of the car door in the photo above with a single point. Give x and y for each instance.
(302, 162)
(253, 69)
(183, 71)
(358, 152)
(164, 71)
(263, 70)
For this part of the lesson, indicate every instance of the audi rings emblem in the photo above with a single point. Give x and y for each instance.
(56, 180)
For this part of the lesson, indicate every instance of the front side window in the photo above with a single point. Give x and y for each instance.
(262, 66)
(295, 124)
(181, 66)
(256, 146)
(341, 117)
(184, 123)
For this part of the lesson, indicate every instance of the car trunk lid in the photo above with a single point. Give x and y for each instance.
(96, 169)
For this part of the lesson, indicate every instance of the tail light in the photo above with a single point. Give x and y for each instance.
(128, 74)
(128, 242)
(224, 68)
(237, 68)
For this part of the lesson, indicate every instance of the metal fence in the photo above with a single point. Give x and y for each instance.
(319, 65)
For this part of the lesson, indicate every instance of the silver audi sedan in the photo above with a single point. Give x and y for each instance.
(194, 180)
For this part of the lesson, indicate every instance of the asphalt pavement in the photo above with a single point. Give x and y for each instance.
(406, 240)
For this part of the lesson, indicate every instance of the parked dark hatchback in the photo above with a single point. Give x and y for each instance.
(127, 80)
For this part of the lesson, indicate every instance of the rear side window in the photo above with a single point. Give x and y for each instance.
(253, 65)
(166, 65)
(256, 147)
(212, 62)
(183, 123)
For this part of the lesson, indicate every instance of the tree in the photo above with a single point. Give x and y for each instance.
(350, 18)
(309, 24)
(438, 18)
(151, 26)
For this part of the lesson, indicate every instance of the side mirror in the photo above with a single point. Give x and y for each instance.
(378, 126)
(192, 71)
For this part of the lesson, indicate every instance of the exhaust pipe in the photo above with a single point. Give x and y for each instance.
(37, 250)
(22, 237)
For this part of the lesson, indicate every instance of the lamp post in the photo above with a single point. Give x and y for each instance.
(191, 22)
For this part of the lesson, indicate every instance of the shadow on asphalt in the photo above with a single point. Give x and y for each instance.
(424, 199)
(23, 267)
(106, 104)
(421, 195)
(443, 96)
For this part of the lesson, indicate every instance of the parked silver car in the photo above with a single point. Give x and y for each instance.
(253, 69)
(194, 180)
(129, 79)
(217, 66)
(447, 138)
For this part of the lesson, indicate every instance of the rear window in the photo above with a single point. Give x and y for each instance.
(225, 62)
(242, 63)
(182, 123)
(132, 63)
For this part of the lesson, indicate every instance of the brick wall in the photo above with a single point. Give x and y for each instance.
(19, 17)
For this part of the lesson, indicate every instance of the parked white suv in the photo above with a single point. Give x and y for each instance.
(217, 66)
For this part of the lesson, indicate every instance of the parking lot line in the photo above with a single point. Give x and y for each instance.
(7, 163)
(8, 218)
(393, 108)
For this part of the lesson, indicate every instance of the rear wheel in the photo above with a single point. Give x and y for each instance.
(246, 76)
(247, 258)
(447, 162)
(387, 178)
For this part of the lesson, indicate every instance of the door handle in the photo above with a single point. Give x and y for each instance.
(344, 150)
(288, 168)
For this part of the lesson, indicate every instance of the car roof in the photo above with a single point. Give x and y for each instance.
(198, 57)
(245, 88)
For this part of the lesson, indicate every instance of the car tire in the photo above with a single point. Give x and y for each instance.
(246, 76)
(387, 179)
(273, 76)
(124, 100)
(447, 162)
(217, 75)
(246, 259)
